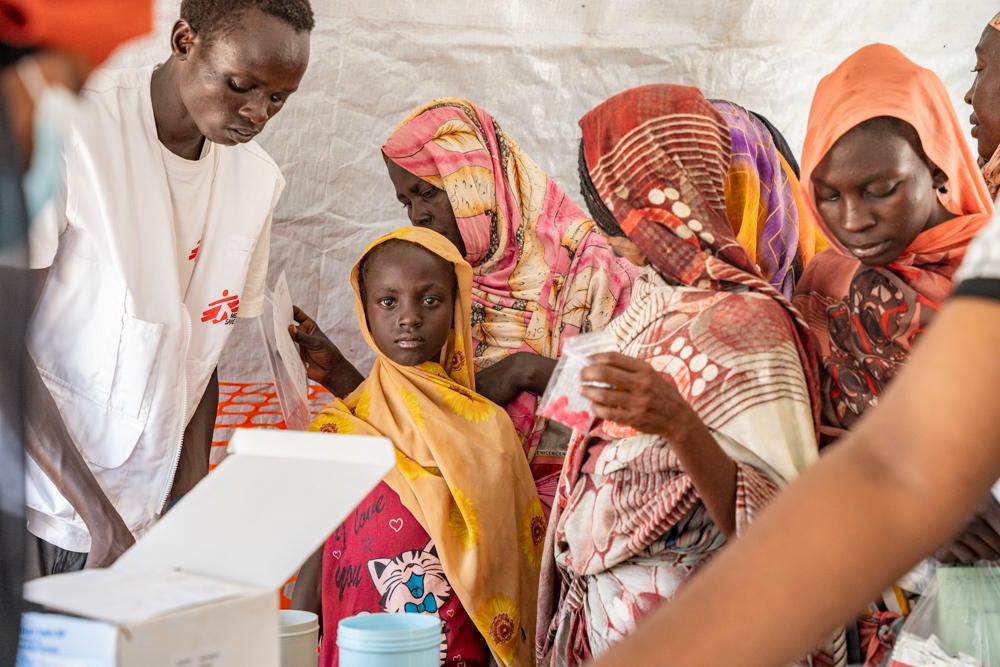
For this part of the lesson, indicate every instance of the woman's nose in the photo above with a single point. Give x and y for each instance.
(857, 218)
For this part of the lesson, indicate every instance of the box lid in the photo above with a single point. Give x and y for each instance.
(127, 598)
(257, 517)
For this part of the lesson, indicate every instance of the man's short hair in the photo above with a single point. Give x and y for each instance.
(209, 16)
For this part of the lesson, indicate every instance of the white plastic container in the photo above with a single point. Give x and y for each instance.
(390, 640)
(299, 638)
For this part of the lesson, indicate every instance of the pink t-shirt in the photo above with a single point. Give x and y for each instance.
(381, 560)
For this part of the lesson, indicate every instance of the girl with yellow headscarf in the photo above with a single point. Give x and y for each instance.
(456, 528)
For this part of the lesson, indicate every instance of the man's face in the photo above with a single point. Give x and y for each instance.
(235, 80)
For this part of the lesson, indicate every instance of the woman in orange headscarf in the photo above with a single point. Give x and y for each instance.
(898, 194)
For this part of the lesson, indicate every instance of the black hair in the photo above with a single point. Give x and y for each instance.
(207, 17)
(366, 263)
(599, 212)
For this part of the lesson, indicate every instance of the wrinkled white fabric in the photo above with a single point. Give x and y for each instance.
(537, 67)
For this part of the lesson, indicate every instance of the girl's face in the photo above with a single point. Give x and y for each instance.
(426, 205)
(876, 191)
(409, 301)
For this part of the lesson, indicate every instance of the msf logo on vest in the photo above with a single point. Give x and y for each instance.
(222, 311)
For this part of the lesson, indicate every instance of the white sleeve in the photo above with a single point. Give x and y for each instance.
(46, 228)
(983, 258)
(252, 301)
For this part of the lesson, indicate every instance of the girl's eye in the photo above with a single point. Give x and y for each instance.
(237, 88)
(431, 301)
(386, 302)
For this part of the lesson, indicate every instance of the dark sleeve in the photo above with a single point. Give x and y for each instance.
(982, 287)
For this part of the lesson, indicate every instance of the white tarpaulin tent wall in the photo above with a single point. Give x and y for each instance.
(537, 67)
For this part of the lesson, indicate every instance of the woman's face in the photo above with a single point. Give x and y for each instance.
(409, 301)
(876, 191)
(426, 205)
(984, 95)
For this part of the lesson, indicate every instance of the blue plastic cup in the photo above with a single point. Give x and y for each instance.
(389, 640)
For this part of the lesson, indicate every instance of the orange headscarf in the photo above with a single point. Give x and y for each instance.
(878, 80)
(93, 28)
(867, 319)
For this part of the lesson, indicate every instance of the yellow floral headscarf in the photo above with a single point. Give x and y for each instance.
(460, 469)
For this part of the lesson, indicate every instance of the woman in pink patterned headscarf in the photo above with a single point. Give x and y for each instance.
(542, 271)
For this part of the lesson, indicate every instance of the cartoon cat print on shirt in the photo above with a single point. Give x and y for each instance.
(412, 582)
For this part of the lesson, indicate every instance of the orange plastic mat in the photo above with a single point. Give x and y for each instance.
(255, 405)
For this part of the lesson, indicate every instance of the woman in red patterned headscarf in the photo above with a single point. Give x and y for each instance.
(709, 410)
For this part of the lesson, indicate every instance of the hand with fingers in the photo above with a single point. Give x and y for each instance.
(324, 362)
(980, 541)
(522, 371)
(638, 396)
(110, 538)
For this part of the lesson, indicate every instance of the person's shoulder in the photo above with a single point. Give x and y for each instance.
(108, 96)
(117, 80)
(253, 157)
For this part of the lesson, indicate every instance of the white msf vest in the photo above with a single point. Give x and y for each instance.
(126, 356)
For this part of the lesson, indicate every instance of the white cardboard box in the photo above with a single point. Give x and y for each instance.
(199, 589)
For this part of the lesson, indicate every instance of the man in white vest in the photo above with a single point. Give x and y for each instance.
(156, 244)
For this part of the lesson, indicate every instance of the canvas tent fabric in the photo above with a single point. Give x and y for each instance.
(537, 67)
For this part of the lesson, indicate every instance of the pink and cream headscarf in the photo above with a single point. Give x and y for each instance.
(542, 272)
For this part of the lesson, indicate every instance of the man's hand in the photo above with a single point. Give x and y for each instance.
(109, 539)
